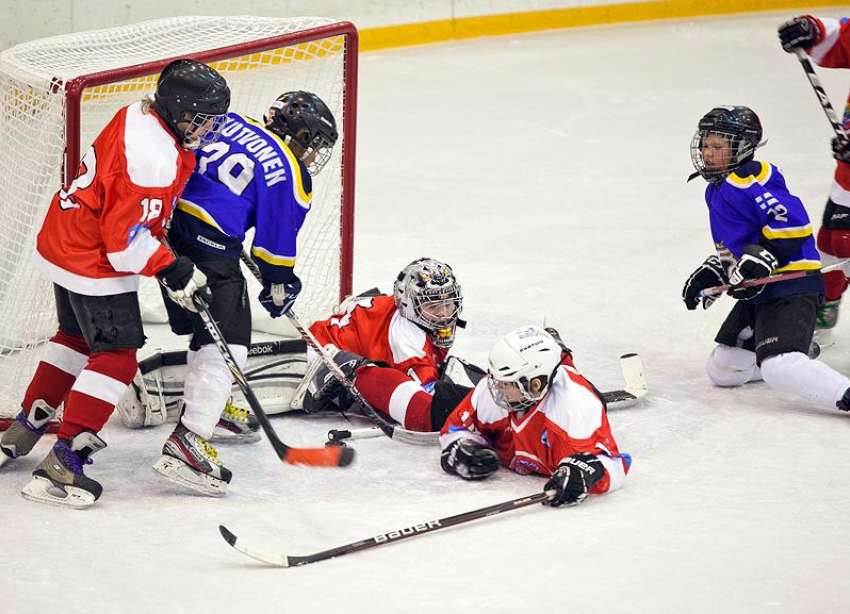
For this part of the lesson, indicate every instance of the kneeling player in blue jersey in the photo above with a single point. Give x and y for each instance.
(256, 175)
(759, 228)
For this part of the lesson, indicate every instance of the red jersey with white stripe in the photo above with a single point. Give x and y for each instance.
(101, 232)
(834, 52)
(372, 327)
(569, 419)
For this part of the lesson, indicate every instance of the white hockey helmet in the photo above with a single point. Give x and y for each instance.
(427, 293)
(526, 354)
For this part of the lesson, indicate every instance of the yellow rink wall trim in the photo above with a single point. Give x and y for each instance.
(514, 23)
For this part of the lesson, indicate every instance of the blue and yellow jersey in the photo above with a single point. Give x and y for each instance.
(753, 206)
(247, 179)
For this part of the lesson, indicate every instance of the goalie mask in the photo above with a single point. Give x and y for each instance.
(190, 92)
(524, 356)
(726, 138)
(306, 125)
(427, 293)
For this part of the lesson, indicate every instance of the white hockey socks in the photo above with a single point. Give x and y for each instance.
(797, 374)
(208, 386)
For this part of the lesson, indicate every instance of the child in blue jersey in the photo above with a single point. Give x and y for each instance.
(759, 228)
(257, 175)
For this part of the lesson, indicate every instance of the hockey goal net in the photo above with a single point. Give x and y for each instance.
(56, 94)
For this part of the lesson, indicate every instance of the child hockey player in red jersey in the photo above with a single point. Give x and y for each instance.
(100, 234)
(535, 414)
(827, 41)
(408, 334)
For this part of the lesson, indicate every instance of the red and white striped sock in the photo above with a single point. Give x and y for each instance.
(64, 358)
(97, 390)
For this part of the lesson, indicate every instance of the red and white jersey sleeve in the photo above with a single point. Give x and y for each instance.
(570, 419)
(834, 52)
(372, 327)
(102, 231)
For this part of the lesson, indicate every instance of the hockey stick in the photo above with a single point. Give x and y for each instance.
(282, 560)
(770, 279)
(392, 431)
(635, 388)
(820, 93)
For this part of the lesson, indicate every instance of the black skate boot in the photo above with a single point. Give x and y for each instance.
(187, 459)
(236, 425)
(20, 438)
(59, 478)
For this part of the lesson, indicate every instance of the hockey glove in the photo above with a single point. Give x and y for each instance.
(841, 149)
(709, 274)
(575, 476)
(325, 392)
(470, 459)
(800, 33)
(279, 298)
(755, 261)
(183, 281)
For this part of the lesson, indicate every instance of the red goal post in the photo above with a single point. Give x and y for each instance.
(56, 94)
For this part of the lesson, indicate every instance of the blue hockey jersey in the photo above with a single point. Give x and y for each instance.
(248, 178)
(753, 206)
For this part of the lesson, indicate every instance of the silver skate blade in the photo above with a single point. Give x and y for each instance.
(42, 490)
(227, 437)
(175, 470)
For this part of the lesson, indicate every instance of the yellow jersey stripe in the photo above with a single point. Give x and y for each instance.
(745, 182)
(199, 212)
(273, 259)
(301, 196)
(799, 265)
(797, 232)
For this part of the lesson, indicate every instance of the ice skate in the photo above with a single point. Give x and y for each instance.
(20, 438)
(236, 425)
(59, 478)
(187, 459)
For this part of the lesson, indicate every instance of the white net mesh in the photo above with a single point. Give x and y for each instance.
(33, 78)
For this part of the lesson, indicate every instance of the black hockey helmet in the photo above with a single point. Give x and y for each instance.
(302, 119)
(740, 126)
(189, 87)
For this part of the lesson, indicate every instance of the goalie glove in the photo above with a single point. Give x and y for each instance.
(182, 281)
(755, 261)
(575, 476)
(469, 459)
(709, 274)
(279, 298)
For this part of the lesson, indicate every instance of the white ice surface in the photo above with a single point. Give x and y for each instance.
(549, 170)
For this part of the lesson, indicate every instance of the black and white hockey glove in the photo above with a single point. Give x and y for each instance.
(182, 280)
(470, 459)
(755, 261)
(800, 33)
(709, 274)
(325, 392)
(841, 149)
(279, 298)
(575, 476)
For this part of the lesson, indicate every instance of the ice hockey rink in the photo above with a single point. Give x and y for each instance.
(549, 170)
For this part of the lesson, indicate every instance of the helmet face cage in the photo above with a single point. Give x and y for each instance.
(427, 293)
(203, 130)
(514, 396)
(301, 118)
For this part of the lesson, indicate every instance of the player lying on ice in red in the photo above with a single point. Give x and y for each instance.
(535, 414)
(404, 339)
